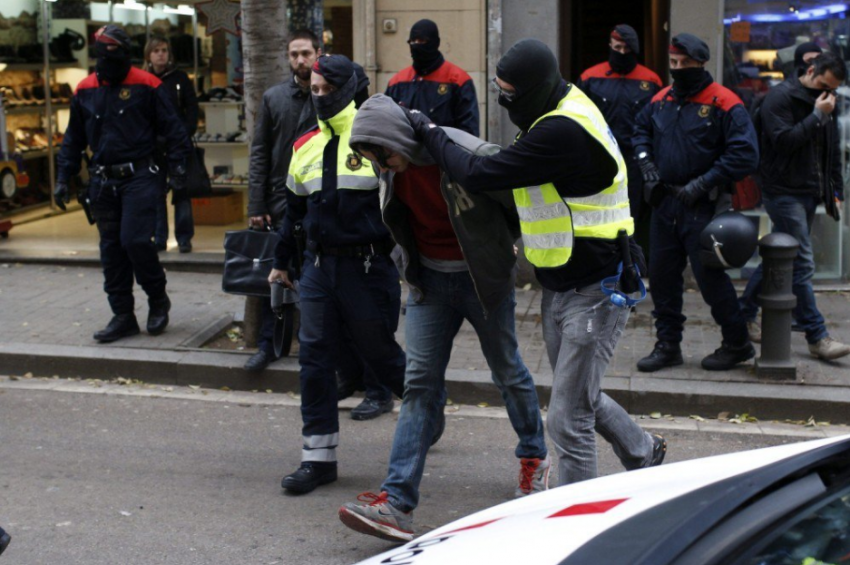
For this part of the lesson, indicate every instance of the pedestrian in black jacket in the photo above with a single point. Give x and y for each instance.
(801, 167)
(159, 61)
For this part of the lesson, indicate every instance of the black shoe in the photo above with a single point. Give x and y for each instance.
(370, 409)
(659, 450)
(158, 314)
(308, 477)
(727, 356)
(4, 541)
(441, 427)
(161, 246)
(121, 325)
(185, 247)
(665, 354)
(795, 327)
(259, 361)
(347, 387)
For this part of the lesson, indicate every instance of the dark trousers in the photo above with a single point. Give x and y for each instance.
(337, 295)
(184, 224)
(675, 232)
(126, 212)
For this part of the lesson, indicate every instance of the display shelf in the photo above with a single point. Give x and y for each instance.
(206, 144)
(28, 155)
(38, 66)
(229, 185)
(15, 110)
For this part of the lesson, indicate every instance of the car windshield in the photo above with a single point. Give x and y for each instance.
(819, 536)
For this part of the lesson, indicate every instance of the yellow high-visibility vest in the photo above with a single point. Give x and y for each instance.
(550, 223)
(307, 165)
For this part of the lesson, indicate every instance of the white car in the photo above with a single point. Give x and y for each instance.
(785, 505)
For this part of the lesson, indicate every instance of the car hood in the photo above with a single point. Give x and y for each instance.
(547, 527)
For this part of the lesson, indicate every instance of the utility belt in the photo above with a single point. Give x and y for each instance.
(123, 171)
(384, 247)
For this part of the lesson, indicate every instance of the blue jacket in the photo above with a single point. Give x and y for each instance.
(709, 134)
(620, 97)
(446, 95)
(121, 124)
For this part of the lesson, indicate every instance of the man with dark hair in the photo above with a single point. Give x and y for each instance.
(701, 138)
(801, 167)
(119, 112)
(438, 88)
(285, 114)
(620, 88)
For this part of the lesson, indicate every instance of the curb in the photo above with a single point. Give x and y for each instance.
(198, 262)
(637, 394)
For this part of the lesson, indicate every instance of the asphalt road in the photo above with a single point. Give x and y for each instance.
(94, 479)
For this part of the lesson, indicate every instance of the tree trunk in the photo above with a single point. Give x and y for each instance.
(264, 58)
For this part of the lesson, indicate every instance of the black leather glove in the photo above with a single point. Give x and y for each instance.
(420, 122)
(62, 195)
(691, 192)
(648, 169)
(177, 178)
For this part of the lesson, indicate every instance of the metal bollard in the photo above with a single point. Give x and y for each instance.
(777, 251)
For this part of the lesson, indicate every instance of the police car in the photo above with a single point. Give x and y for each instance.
(786, 505)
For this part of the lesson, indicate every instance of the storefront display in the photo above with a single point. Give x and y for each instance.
(760, 40)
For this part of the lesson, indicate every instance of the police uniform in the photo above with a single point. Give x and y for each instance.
(348, 281)
(120, 122)
(701, 139)
(620, 94)
(438, 88)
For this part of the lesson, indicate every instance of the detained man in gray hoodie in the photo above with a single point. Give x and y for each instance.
(457, 256)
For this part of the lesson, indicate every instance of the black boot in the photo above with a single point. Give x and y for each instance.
(121, 325)
(259, 361)
(665, 354)
(727, 356)
(4, 540)
(370, 409)
(158, 314)
(309, 476)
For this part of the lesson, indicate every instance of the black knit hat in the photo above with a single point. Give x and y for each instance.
(690, 45)
(337, 69)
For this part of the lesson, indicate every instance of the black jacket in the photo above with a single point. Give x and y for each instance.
(178, 86)
(121, 124)
(800, 150)
(285, 115)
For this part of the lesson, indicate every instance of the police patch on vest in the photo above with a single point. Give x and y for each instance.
(644, 85)
(124, 94)
(354, 162)
(704, 110)
(442, 89)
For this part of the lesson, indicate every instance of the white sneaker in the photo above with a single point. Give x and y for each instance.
(754, 329)
(829, 349)
(533, 476)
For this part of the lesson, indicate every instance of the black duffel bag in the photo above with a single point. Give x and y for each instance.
(248, 260)
(198, 183)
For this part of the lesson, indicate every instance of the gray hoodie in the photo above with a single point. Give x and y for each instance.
(486, 224)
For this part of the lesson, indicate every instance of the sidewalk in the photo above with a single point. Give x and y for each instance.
(49, 313)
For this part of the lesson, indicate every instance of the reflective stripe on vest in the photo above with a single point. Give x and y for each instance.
(306, 167)
(550, 223)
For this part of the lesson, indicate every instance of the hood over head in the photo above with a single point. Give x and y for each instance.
(382, 122)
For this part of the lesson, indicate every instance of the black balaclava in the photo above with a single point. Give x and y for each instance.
(112, 66)
(362, 92)
(801, 50)
(338, 70)
(624, 63)
(426, 56)
(532, 69)
(689, 81)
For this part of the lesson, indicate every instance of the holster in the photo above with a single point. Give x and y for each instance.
(85, 202)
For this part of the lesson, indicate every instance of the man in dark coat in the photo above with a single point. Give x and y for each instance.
(801, 167)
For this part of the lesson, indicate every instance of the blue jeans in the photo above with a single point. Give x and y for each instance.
(793, 215)
(430, 328)
(581, 329)
(675, 235)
